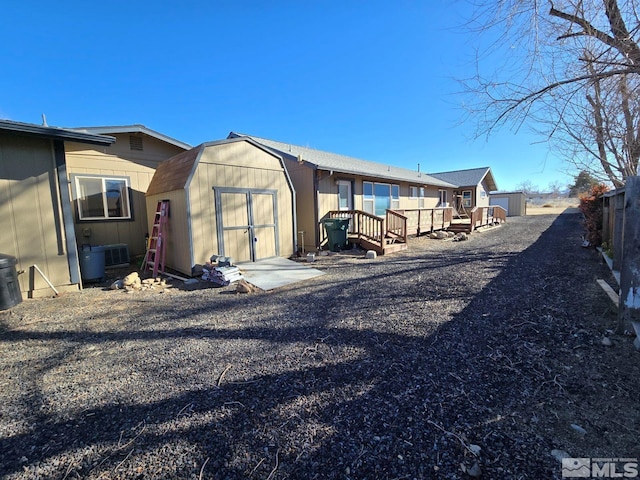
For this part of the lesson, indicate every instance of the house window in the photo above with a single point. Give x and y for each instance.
(102, 198)
(421, 197)
(344, 195)
(442, 198)
(413, 193)
(395, 196)
(378, 197)
(367, 197)
(466, 198)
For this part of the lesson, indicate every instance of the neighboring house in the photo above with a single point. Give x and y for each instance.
(473, 188)
(327, 182)
(36, 218)
(231, 198)
(108, 184)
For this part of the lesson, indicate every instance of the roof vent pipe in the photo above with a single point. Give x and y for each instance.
(419, 174)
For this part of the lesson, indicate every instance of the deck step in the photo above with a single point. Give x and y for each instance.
(459, 227)
(394, 247)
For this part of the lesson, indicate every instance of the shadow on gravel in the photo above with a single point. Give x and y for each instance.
(398, 375)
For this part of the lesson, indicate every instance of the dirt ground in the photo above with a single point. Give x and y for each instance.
(488, 358)
(552, 210)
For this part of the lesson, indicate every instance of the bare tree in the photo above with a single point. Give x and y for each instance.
(572, 71)
(527, 187)
(556, 188)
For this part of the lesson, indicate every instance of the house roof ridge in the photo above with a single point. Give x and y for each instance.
(347, 164)
(460, 170)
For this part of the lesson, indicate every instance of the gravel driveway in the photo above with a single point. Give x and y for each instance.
(448, 360)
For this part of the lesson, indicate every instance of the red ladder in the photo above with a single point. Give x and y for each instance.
(156, 250)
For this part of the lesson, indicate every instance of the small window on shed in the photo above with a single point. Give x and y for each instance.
(135, 142)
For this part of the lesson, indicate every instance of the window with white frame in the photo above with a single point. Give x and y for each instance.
(378, 197)
(442, 198)
(345, 200)
(395, 196)
(413, 193)
(466, 198)
(101, 198)
(367, 197)
(421, 197)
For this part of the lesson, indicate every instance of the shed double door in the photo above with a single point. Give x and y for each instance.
(247, 223)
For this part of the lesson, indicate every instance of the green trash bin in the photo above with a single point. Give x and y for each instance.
(337, 230)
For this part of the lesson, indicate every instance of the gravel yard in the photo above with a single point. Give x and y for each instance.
(448, 360)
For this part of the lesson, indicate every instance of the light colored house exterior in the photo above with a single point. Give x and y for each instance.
(473, 187)
(36, 219)
(231, 198)
(108, 184)
(327, 182)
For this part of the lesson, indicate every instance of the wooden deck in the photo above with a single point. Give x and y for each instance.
(383, 235)
(390, 234)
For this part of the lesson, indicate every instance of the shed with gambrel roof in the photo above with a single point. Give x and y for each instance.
(231, 198)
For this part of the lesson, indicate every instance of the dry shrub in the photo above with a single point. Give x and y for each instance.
(591, 208)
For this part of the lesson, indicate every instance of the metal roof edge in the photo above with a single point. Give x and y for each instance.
(67, 134)
(136, 128)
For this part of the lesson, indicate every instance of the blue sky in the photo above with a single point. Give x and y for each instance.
(374, 80)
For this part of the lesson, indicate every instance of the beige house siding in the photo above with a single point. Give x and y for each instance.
(328, 196)
(302, 179)
(121, 161)
(31, 213)
(482, 201)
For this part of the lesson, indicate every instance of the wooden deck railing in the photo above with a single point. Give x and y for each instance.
(396, 225)
(362, 225)
(481, 216)
(427, 219)
(499, 214)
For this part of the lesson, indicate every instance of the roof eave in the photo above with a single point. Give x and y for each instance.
(55, 133)
(137, 128)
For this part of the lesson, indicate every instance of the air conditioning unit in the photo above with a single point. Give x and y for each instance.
(117, 254)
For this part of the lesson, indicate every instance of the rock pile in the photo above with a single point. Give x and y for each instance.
(133, 282)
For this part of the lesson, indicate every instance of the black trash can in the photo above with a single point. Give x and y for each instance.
(337, 233)
(10, 294)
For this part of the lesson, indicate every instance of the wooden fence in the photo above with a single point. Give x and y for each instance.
(612, 224)
(621, 233)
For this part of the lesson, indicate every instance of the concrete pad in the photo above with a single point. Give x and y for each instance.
(276, 272)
